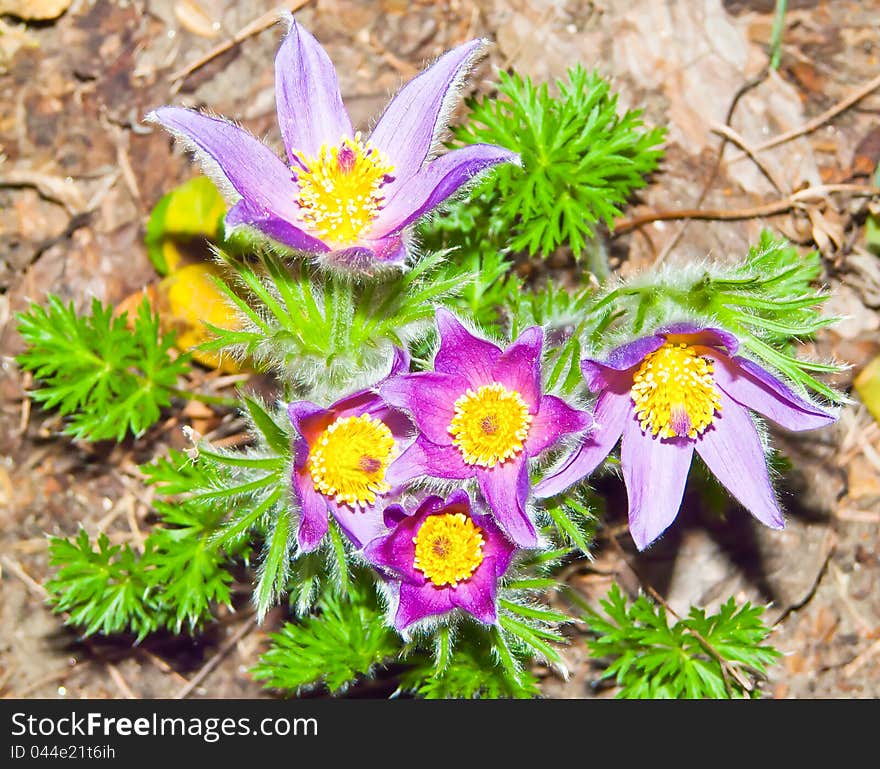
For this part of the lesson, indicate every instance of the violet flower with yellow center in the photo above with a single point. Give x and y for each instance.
(683, 389)
(482, 414)
(440, 558)
(342, 456)
(346, 198)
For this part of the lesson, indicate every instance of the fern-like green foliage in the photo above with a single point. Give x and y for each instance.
(107, 378)
(344, 639)
(716, 656)
(176, 583)
(325, 332)
(581, 160)
(474, 666)
(103, 588)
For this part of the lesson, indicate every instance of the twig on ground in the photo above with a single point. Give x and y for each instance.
(120, 681)
(719, 157)
(853, 667)
(249, 30)
(819, 120)
(765, 209)
(17, 569)
(212, 663)
(731, 135)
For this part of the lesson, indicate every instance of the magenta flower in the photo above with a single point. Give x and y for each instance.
(339, 196)
(342, 455)
(445, 557)
(680, 389)
(481, 414)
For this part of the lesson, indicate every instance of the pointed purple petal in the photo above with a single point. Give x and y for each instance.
(496, 545)
(691, 333)
(250, 166)
(732, 450)
(281, 231)
(370, 257)
(610, 415)
(412, 121)
(393, 514)
(602, 374)
(313, 512)
(436, 182)
(430, 396)
(476, 595)
(463, 354)
(431, 459)
(308, 418)
(360, 526)
(655, 472)
(506, 487)
(554, 419)
(519, 367)
(753, 387)
(310, 109)
(418, 602)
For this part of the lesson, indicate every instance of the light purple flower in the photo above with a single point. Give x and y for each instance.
(343, 198)
(445, 557)
(682, 389)
(342, 456)
(481, 414)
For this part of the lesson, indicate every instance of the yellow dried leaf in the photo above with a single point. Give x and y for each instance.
(189, 298)
(34, 10)
(867, 385)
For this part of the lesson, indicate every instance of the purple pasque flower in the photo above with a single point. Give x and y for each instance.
(341, 458)
(681, 389)
(346, 199)
(445, 557)
(481, 414)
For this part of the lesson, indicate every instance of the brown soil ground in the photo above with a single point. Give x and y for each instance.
(81, 173)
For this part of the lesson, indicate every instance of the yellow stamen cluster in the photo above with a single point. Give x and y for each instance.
(449, 548)
(490, 425)
(674, 392)
(340, 190)
(349, 460)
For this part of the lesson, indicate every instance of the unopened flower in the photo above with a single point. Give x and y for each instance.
(445, 557)
(682, 389)
(481, 414)
(342, 455)
(343, 197)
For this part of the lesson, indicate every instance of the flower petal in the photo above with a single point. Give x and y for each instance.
(370, 257)
(506, 487)
(410, 125)
(753, 387)
(476, 595)
(655, 472)
(420, 601)
(430, 396)
(610, 414)
(733, 452)
(310, 109)
(281, 231)
(360, 526)
(600, 374)
(308, 418)
(462, 353)
(232, 154)
(495, 544)
(313, 512)
(431, 459)
(554, 419)
(437, 181)
(519, 367)
(691, 333)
